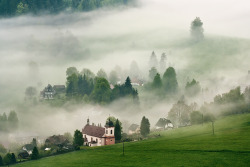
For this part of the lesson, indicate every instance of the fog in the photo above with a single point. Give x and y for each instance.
(108, 37)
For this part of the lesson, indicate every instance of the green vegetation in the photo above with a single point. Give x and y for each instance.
(9, 123)
(189, 146)
(78, 139)
(19, 7)
(145, 126)
(35, 154)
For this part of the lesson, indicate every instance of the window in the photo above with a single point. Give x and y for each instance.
(111, 132)
(106, 131)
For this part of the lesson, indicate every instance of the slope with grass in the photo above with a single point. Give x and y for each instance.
(189, 146)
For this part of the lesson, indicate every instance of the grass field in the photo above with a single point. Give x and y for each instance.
(189, 146)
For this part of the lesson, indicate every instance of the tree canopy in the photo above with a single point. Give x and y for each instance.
(145, 126)
(197, 29)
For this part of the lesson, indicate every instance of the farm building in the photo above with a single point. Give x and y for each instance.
(98, 136)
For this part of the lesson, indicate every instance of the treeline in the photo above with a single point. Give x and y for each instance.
(19, 7)
(8, 123)
(167, 84)
(86, 87)
(232, 102)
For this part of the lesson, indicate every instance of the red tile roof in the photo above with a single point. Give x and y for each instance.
(95, 131)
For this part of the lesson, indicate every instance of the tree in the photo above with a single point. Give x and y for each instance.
(72, 85)
(114, 120)
(170, 83)
(2, 149)
(118, 131)
(113, 78)
(71, 70)
(13, 158)
(145, 126)
(34, 143)
(13, 120)
(102, 74)
(7, 159)
(1, 161)
(157, 83)
(68, 136)
(192, 88)
(197, 29)
(152, 73)
(89, 74)
(153, 62)
(134, 71)
(22, 8)
(179, 114)
(30, 92)
(78, 139)
(102, 91)
(35, 154)
(196, 117)
(163, 62)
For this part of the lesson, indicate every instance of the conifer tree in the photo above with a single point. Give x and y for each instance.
(145, 126)
(117, 131)
(35, 153)
(1, 161)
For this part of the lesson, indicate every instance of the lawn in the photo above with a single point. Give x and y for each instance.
(189, 146)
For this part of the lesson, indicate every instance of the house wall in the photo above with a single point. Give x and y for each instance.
(99, 143)
(110, 131)
(110, 141)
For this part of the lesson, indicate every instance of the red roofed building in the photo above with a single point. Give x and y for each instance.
(97, 135)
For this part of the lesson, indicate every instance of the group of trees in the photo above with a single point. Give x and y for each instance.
(8, 159)
(86, 86)
(19, 7)
(167, 84)
(155, 65)
(192, 88)
(9, 123)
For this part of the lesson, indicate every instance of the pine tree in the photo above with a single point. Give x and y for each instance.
(157, 83)
(1, 161)
(145, 126)
(197, 29)
(35, 154)
(78, 139)
(170, 81)
(13, 158)
(117, 131)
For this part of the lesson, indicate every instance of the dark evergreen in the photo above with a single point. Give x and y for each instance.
(118, 132)
(1, 161)
(170, 83)
(35, 154)
(145, 126)
(13, 158)
(78, 139)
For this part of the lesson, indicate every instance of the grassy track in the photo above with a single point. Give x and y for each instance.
(189, 146)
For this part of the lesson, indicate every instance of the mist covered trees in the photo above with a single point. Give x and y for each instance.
(9, 123)
(170, 84)
(196, 29)
(35, 154)
(180, 114)
(145, 126)
(192, 88)
(19, 7)
(101, 92)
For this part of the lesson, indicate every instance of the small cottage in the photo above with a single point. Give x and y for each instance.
(99, 136)
(134, 129)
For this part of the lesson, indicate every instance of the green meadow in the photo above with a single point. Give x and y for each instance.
(187, 146)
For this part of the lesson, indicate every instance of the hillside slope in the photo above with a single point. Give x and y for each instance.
(190, 146)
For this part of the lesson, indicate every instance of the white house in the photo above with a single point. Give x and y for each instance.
(133, 129)
(99, 136)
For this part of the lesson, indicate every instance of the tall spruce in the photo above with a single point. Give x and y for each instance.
(118, 131)
(78, 139)
(145, 126)
(1, 161)
(35, 154)
(170, 83)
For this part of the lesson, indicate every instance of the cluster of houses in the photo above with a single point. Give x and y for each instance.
(49, 92)
(93, 135)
